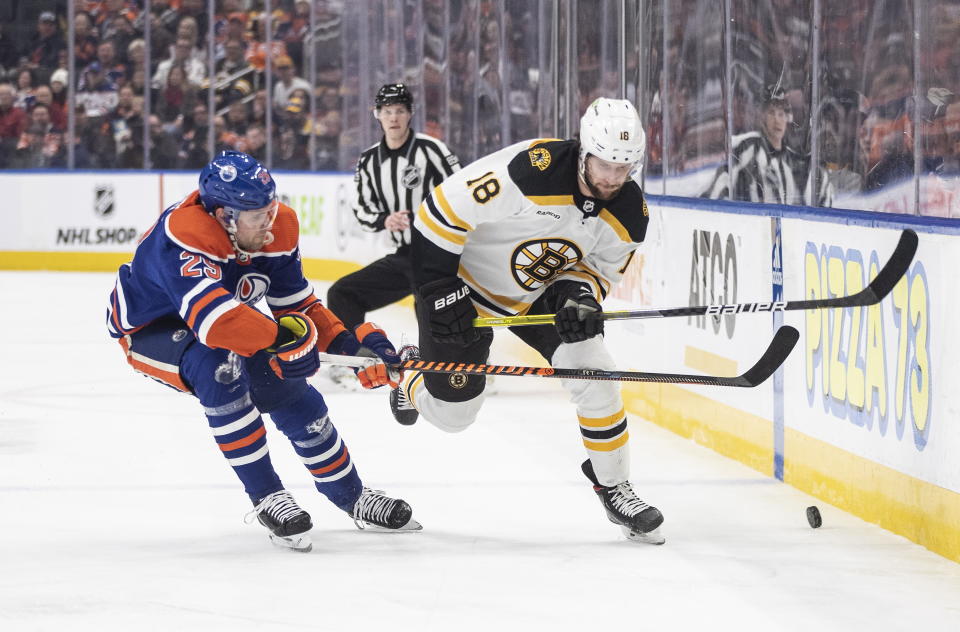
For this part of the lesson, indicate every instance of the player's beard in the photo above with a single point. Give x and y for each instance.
(605, 194)
(256, 242)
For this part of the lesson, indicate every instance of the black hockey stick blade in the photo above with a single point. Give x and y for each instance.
(780, 347)
(892, 271)
(888, 277)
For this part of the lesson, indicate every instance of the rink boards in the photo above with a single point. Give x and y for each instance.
(862, 414)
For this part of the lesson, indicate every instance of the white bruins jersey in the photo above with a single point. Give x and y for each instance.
(515, 221)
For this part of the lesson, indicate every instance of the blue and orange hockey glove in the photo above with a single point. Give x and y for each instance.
(294, 351)
(374, 344)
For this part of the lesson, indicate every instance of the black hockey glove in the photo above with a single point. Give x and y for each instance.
(579, 315)
(446, 305)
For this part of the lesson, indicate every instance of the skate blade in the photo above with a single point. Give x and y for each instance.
(300, 543)
(650, 537)
(412, 525)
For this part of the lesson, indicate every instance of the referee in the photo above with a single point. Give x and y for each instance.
(392, 179)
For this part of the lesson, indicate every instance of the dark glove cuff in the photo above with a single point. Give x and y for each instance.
(344, 344)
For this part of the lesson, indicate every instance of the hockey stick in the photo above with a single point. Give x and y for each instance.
(780, 347)
(883, 284)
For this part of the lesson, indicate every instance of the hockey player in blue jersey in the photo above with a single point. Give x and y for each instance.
(184, 311)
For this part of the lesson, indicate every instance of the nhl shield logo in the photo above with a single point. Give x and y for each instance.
(103, 200)
(411, 177)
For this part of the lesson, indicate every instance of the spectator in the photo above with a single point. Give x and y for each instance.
(43, 95)
(163, 146)
(235, 29)
(177, 96)
(83, 155)
(107, 56)
(121, 34)
(193, 149)
(255, 142)
(886, 138)
(182, 50)
(13, 121)
(85, 39)
(257, 49)
(233, 60)
(136, 57)
(43, 51)
(8, 52)
(125, 117)
(25, 86)
(238, 118)
(96, 92)
(58, 89)
(40, 118)
(161, 40)
(258, 111)
(39, 148)
(187, 29)
(287, 83)
(289, 154)
(193, 9)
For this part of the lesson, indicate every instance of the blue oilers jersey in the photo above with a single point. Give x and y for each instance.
(186, 267)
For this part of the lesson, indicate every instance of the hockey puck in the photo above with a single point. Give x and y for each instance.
(813, 517)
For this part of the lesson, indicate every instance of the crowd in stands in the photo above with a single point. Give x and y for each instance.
(123, 95)
(479, 66)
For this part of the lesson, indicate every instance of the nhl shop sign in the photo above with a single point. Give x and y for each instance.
(103, 208)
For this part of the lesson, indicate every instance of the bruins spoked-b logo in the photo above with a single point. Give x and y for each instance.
(411, 178)
(457, 380)
(538, 261)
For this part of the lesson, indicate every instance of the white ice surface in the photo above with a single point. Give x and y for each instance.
(117, 512)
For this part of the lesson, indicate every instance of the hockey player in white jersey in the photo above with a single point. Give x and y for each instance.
(543, 226)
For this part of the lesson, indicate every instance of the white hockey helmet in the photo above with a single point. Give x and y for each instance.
(610, 129)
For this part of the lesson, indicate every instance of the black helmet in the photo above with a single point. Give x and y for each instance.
(774, 94)
(391, 93)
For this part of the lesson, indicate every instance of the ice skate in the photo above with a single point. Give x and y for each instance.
(376, 509)
(400, 405)
(289, 525)
(639, 521)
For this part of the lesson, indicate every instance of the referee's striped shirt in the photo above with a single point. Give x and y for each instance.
(390, 180)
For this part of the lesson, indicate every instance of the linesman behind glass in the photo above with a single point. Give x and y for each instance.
(392, 179)
(765, 168)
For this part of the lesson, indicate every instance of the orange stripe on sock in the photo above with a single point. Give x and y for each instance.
(334, 465)
(242, 443)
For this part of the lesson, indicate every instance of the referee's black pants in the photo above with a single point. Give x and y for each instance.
(385, 281)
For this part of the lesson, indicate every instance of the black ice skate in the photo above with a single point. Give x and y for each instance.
(401, 406)
(639, 521)
(288, 523)
(376, 509)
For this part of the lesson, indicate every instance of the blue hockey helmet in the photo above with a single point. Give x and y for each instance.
(235, 180)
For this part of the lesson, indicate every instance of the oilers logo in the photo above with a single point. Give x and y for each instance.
(411, 178)
(228, 173)
(536, 262)
(252, 287)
